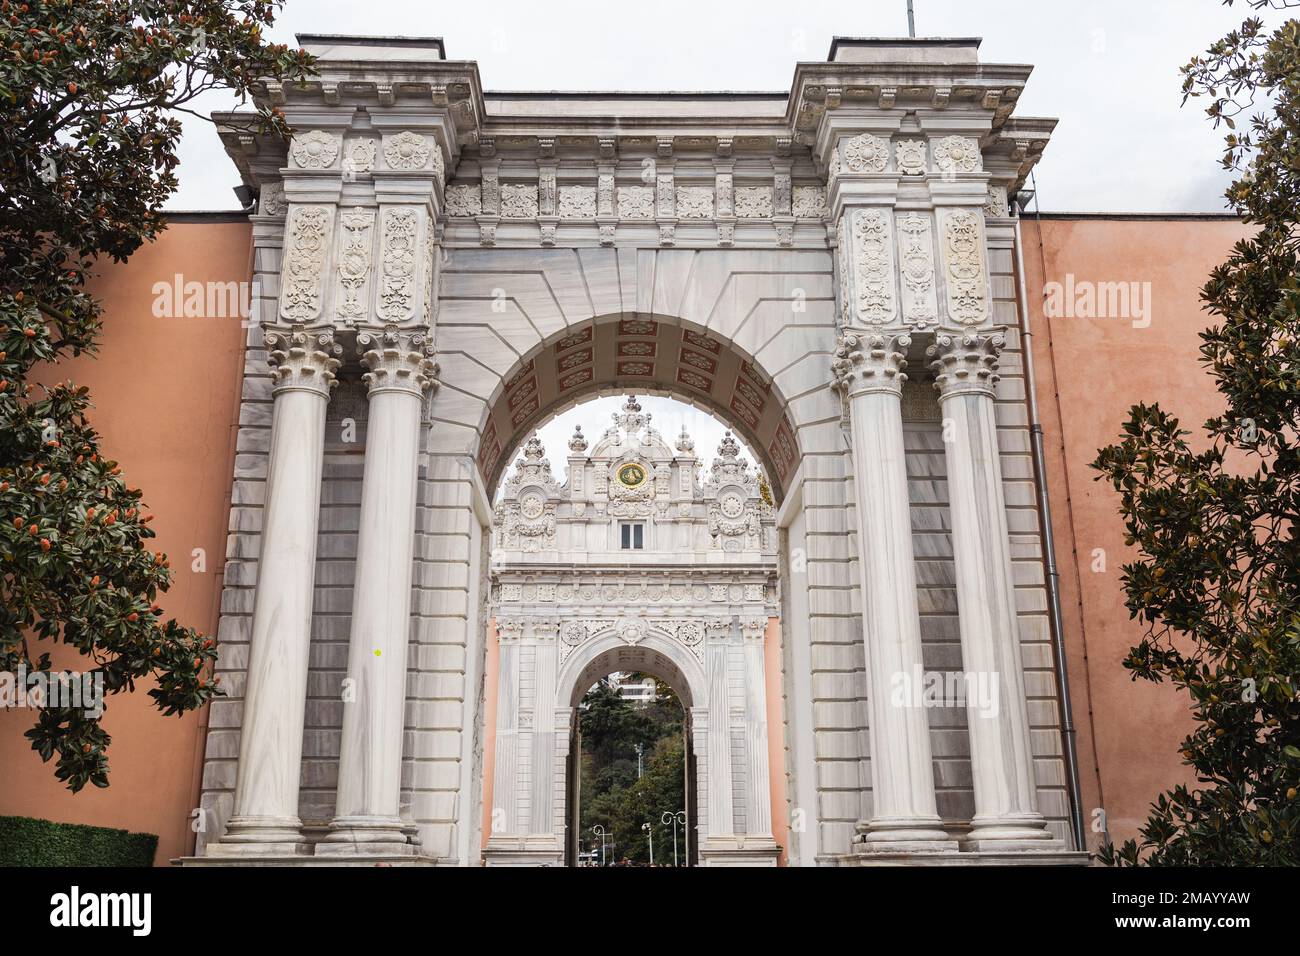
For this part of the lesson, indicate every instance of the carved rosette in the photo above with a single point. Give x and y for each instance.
(406, 151)
(963, 253)
(872, 256)
(965, 364)
(302, 360)
(957, 154)
(398, 360)
(870, 363)
(864, 153)
(304, 263)
(315, 149)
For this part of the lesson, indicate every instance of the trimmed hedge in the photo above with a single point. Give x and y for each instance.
(26, 841)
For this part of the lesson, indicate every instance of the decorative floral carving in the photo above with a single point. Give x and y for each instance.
(873, 267)
(916, 259)
(963, 239)
(754, 202)
(270, 199)
(605, 194)
(636, 202)
(315, 149)
(864, 153)
(809, 202)
(726, 195)
(406, 150)
(546, 191)
(909, 156)
(997, 206)
(464, 199)
(664, 196)
(578, 202)
(354, 263)
(304, 263)
(518, 201)
(360, 155)
(781, 194)
(957, 154)
(397, 263)
(694, 202)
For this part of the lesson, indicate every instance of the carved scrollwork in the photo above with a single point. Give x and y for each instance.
(963, 238)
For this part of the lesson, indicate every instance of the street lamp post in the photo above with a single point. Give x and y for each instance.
(599, 830)
(650, 835)
(675, 819)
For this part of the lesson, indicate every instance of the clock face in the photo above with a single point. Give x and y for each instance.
(631, 475)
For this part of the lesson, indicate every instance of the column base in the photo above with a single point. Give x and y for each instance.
(1011, 833)
(736, 851)
(366, 836)
(905, 835)
(259, 837)
(523, 851)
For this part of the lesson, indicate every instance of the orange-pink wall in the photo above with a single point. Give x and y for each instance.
(775, 738)
(166, 403)
(1090, 371)
(491, 666)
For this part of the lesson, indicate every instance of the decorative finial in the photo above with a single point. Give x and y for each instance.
(533, 448)
(685, 443)
(578, 443)
(728, 450)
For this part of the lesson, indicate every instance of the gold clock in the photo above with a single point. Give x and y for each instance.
(631, 475)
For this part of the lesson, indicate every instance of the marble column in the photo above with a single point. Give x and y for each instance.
(367, 813)
(265, 819)
(869, 370)
(1002, 763)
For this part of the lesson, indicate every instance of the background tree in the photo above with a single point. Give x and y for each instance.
(612, 795)
(1216, 577)
(90, 92)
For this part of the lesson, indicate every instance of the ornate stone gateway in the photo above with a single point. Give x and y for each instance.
(633, 565)
(442, 269)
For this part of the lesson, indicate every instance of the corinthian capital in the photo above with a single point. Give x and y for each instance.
(302, 360)
(870, 363)
(965, 364)
(397, 360)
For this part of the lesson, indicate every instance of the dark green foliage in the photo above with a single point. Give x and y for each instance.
(89, 96)
(25, 841)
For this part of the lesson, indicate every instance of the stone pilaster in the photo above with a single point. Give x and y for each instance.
(869, 372)
(265, 820)
(1006, 816)
(399, 369)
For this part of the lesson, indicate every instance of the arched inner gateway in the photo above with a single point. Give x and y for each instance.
(643, 354)
(640, 559)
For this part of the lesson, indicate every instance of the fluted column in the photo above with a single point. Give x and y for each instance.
(869, 370)
(265, 820)
(1002, 763)
(399, 371)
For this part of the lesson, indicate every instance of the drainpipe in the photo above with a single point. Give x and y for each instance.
(1068, 732)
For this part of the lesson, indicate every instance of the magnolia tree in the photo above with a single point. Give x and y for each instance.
(91, 92)
(1216, 577)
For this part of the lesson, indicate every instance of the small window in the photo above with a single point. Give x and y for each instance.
(633, 536)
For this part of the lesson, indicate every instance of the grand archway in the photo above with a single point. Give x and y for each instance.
(640, 560)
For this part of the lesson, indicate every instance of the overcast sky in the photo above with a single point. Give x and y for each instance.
(1108, 69)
